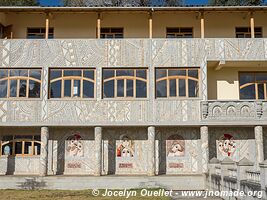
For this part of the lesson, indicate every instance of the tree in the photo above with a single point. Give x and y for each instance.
(235, 2)
(19, 3)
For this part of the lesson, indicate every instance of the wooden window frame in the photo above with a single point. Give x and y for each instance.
(125, 78)
(248, 32)
(177, 78)
(110, 32)
(23, 141)
(40, 33)
(8, 78)
(180, 33)
(72, 79)
(255, 83)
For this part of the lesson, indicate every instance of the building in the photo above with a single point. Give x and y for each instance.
(131, 91)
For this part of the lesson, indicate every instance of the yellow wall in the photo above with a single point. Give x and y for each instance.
(223, 84)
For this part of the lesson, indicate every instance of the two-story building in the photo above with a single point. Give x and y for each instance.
(131, 91)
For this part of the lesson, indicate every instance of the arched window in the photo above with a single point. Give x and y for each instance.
(22, 83)
(177, 82)
(72, 83)
(253, 85)
(20, 145)
(124, 83)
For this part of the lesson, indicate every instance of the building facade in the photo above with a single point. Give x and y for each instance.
(131, 91)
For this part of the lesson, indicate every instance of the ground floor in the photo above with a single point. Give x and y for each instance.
(102, 151)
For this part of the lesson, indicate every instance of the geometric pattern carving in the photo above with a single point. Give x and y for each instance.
(3, 111)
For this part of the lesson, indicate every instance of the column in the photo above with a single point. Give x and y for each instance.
(150, 22)
(98, 26)
(259, 144)
(46, 26)
(202, 26)
(44, 151)
(151, 151)
(98, 151)
(204, 136)
(252, 28)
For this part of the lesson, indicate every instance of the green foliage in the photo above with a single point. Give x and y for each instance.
(19, 3)
(235, 2)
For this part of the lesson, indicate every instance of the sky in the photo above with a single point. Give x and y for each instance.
(57, 2)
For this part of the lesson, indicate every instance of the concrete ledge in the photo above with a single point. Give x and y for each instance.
(183, 182)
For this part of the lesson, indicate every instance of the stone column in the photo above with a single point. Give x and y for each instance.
(263, 171)
(259, 144)
(44, 151)
(151, 151)
(204, 136)
(98, 151)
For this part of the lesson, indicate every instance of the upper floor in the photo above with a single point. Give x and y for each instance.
(111, 22)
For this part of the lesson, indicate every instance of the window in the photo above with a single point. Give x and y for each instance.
(245, 32)
(111, 33)
(39, 33)
(181, 32)
(124, 83)
(253, 85)
(182, 82)
(72, 83)
(22, 83)
(22, 145)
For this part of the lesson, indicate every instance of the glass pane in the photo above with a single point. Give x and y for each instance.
(22, 88)
(141, 73)
(7, 149)
(35, 74)
(3, 73)
(67, 88)
(193, 73)
(173, 72)
(246, 78)
(37, 148)
(76, 88)
(37, 137)
(23, 137)
(124, 72)
(261, 77)
(108, 73)
(172, 88)
(182, 72)
(34, 89)
(248, 92)
(193, 88)
(260, 91)
(19, 72)
(28, 148)
(182, 89)
(55, 74)
(88, 89)
(18, 148)
(120, 88)
(7, 137)
(109, 89)
(89, 74)
(72, 72)
(161, 89)
(141, 89)
(129, 88)
(13, 88)
(161, 73)
(55, 90)
(3, 89)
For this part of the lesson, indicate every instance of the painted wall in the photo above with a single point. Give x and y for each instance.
(223, 84)
(83, 25)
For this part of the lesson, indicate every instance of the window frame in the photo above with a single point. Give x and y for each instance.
(125, 78)
(8, 78)
(23, 141)
(255, 84)
(176, 33)
(177, 83)
(111, 33)
(248, 32)
(72, 78)
(40, 33)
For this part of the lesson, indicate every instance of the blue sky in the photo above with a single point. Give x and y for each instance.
(57, 2)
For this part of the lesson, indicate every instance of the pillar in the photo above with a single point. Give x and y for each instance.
(98, 26)
(259, 144)
(263, 171)
(46, 26)
(252, 25)
(202, 26)
(151, 151)
(204, 136)
(98, 151)
(150, 22)
(44, 151)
